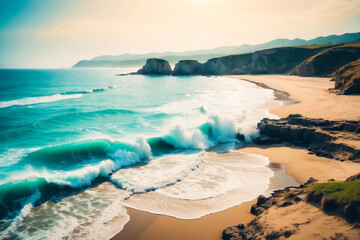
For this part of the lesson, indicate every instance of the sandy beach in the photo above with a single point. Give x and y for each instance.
(313, 100)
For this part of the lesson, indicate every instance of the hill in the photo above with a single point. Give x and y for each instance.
(129, 60)
(327, 61)
(347, 78)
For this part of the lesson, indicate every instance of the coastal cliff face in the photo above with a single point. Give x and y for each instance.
(331, 139)
(277, 60)
(188, 67)
(319, 61)
(327, 61)
(155, 66)
(347, 78)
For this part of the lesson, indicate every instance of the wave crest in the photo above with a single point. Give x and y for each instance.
(36, 100)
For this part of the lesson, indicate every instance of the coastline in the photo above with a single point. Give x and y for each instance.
(311, 96)
(298, 163)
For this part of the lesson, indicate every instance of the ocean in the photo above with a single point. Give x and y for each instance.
(77, 145)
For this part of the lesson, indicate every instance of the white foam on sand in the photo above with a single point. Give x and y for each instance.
(221, 181)
(157, 173)
(97, 213)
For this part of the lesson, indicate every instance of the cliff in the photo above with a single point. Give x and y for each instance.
(188, 67)
(276, 60)
(155, 66)
(347, 78)
(327, 61)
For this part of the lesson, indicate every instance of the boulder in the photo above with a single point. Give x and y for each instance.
(256, 210)
(155, 66)
(240, 137)
(261, 200)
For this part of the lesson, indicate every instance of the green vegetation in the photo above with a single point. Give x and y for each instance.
(341, 191)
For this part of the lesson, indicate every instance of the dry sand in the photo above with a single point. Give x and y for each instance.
(302, 165)
(305, 221)
(314, 101)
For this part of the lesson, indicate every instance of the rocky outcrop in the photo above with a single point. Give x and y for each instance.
(332, 139)
(276, 60)
(155, 66)
(327, 61)
(256, 229)
(188, 67)
(347, 78)
(286, 211)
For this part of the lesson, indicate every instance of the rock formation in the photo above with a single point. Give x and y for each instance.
(332, 139)
(276, 60)
(327, 61)
(188, 67)
(304, 61)
(291, 204)
(347, 78)
(155, 66)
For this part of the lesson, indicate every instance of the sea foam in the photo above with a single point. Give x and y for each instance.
(36, 100)
(96, 213)
(148, 136)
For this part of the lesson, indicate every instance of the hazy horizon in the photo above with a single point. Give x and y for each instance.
(49, 34)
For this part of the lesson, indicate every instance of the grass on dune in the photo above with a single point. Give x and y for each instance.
(342, 191)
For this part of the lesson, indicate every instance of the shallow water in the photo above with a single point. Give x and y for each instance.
(65, 132)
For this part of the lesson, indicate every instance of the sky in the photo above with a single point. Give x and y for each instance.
(56, 34)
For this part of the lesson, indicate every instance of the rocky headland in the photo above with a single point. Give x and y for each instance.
(332, 139)
(155, 66)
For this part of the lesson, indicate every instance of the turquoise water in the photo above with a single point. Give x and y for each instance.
(65, 131)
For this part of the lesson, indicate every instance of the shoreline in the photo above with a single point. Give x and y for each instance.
(297, 97)
(311, 96)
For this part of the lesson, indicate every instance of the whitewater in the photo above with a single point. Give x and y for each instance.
(77, 146)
